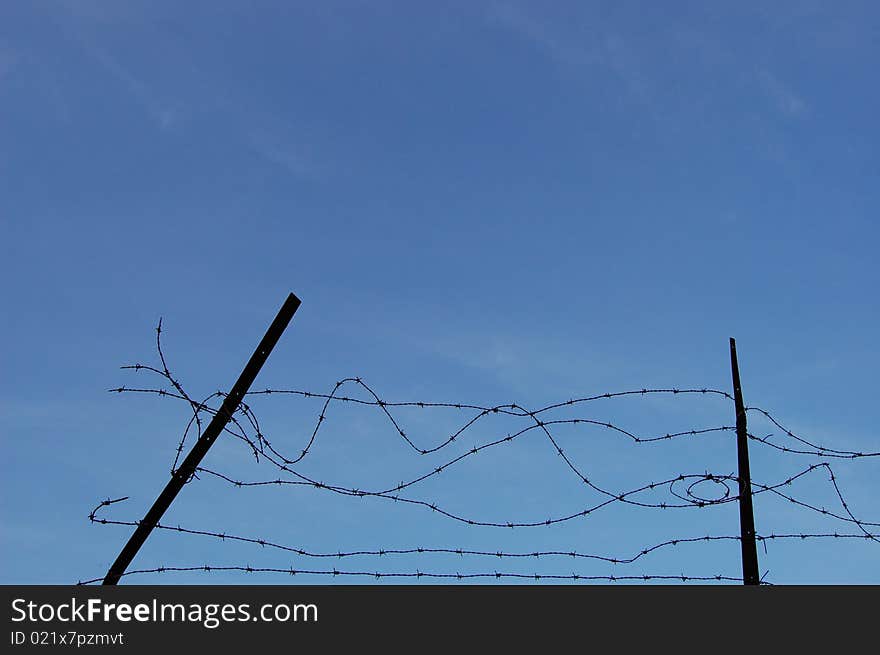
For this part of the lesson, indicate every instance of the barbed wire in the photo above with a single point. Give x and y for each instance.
(497, 575)
(245, 426)
(509, 409)
(285, 463)
(822, 451)
(690, 500)
(512, 409)
(500, 554)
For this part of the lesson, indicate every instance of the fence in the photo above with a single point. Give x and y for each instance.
(236, 417)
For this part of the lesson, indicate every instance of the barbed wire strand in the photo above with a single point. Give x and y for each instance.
(381, 552)
(437, 576)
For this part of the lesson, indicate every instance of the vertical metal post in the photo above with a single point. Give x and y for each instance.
(215, 427)
(746, 515)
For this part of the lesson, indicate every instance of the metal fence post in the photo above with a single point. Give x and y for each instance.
(746, 515)
(215, 427)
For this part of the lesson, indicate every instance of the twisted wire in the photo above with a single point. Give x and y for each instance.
(245, 426)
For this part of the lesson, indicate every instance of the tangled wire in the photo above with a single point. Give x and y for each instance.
(690, 490)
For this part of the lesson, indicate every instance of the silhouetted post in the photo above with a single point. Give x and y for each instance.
(215, 427)
(746, 515)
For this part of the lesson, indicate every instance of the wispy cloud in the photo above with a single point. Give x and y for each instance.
(784, 99)
(542, 34)
(240, 117)
(163, 113)
(280, 150)
(84, 23)
(585, 43)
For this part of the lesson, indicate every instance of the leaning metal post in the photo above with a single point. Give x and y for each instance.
(180, 477)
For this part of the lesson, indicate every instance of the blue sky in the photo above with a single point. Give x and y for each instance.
(483, 202)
